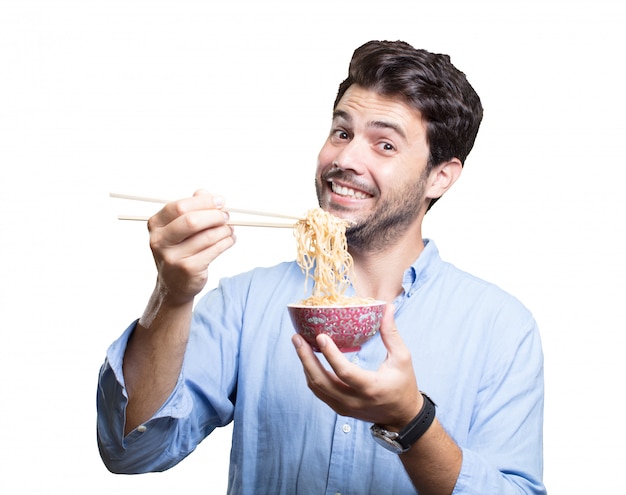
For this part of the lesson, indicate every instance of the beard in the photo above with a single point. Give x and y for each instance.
(390, 219)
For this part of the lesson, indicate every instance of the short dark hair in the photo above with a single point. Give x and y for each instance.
(427, 82)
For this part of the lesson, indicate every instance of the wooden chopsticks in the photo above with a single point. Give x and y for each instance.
(243, 223)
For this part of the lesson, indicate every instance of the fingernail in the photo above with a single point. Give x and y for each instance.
(297, 341)
(218, 201)
(322, 340)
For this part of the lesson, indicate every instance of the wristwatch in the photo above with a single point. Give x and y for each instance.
(399, 442)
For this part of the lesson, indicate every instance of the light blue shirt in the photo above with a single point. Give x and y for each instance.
(476, 352)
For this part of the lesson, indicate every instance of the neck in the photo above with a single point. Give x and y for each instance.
(379, 274)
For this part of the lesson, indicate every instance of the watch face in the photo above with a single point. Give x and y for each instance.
(383, 438)
(402, 441)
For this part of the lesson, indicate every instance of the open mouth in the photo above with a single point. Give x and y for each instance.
(348, 192)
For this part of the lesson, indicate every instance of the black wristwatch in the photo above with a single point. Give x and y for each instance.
(402, 441)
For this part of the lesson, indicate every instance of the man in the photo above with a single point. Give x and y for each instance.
(404, 121)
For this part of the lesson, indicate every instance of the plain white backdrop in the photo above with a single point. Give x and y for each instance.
(163, 97)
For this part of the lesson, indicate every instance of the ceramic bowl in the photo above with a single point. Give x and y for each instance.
(348, 326)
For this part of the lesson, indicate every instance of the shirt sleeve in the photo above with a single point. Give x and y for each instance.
(201, 400)
(503, 451)
(145, 448)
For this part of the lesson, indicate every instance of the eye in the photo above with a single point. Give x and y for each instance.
(340, 135)
(387, 146)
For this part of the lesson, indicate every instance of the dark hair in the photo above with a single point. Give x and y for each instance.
(427, 82)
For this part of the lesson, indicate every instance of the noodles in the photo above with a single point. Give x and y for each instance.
(322, 247)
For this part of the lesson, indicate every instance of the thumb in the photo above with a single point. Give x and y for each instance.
(388, 330)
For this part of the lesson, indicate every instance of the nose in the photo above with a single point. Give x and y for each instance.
(351, 156)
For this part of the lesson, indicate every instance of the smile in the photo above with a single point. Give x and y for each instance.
(348, 192)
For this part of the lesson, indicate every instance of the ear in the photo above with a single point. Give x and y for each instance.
(442, 177)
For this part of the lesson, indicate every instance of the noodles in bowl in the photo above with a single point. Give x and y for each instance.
(323, 256)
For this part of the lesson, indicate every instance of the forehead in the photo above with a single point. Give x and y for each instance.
(361, 106)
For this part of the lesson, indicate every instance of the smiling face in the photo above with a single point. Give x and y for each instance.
(372, 169)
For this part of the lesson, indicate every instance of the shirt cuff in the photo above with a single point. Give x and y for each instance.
(177, 405)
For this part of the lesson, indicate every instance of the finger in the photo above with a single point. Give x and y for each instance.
(206, 226)
(201, 200)
(202, 248)
(399, 359)
(318, 377)
(313, 369)
(324, 384)
(389, 331)
(190, 251)
(187, 225)
(349, 373)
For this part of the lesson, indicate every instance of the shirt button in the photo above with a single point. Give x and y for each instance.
(346, 428)
(355, 359)
(142, 428)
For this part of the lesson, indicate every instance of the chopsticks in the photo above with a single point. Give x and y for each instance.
(243, 223)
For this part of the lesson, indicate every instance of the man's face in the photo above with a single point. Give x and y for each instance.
(372, 168)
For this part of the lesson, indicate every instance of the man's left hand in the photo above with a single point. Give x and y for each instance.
(388, 396)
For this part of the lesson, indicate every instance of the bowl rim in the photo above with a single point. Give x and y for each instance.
(330, 306)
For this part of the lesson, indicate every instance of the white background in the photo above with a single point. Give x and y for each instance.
(163, 97)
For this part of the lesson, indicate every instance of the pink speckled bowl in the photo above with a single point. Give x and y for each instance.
(348, 326)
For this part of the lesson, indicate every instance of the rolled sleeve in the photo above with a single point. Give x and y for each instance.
(148, 447)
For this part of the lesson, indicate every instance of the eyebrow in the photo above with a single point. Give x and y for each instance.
(379, 124)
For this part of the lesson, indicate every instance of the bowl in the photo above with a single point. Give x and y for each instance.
(348, 326)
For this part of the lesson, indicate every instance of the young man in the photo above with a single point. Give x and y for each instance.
(360, 423)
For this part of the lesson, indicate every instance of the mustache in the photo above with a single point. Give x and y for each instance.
(348, 178)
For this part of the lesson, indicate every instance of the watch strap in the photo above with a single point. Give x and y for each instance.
(412, 432)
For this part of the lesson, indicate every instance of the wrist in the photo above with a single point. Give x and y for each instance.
(163, 306)
(399, 442)
(408, 416)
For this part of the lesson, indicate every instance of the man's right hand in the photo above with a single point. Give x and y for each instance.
(185, 237)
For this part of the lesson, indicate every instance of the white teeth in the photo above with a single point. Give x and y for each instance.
(346, 191)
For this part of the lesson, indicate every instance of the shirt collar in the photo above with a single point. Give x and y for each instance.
(422, 269)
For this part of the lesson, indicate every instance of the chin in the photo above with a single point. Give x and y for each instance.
(354, 218)
(337, 209)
